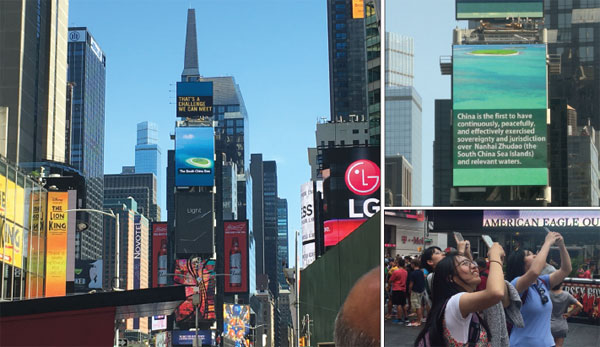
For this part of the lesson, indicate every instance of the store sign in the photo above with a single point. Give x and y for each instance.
(539, 219)
(362, 177)
(414, 240)
(77, 35)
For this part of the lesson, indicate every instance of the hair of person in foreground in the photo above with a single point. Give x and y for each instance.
(358, 321)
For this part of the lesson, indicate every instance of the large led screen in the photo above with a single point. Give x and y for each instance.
(479, 9)
(187, 273)
(236, 256)
(194, 156)
(194, 99)
(236, 323)
(194, 228)
(499, 115)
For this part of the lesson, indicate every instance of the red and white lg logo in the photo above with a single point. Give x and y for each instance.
(362, 177)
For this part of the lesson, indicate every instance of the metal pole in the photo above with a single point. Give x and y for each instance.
(297, 279)
(196, 336)
(117, 256)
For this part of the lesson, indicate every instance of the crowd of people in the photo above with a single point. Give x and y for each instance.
(513, 299)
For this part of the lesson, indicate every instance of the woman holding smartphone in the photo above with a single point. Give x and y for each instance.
(524, 269)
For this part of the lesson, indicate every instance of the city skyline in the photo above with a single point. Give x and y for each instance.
(276, 96)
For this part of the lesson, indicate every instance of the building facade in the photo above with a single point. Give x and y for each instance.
(34, 79)
(87, 75)
(148, 155)
(282, 241)
(141, 187)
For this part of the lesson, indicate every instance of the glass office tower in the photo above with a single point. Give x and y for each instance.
(148, 153)
(87, 77)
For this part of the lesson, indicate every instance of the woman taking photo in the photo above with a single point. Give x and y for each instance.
(453, 320)
(524, 269)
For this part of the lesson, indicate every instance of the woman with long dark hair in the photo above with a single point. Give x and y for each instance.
(454, 319)
(523, 270)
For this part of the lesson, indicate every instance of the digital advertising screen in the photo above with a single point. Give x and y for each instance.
(336, 230)
(481, 9)
(194, 99)
(194, 231)
(236, 324)
(159, 254)
(88, 275)
(499, 115)
(186, 274)
(194, 156)
(236, 256)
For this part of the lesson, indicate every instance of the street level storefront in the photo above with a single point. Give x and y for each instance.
(406, 233)
(22, 235)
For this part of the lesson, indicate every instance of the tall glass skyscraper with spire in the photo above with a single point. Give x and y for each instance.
(148, 153)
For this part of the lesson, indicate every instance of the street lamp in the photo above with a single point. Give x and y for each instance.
(116, 217)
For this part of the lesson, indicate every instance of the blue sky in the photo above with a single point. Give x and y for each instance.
(276, 50)
(430, 24)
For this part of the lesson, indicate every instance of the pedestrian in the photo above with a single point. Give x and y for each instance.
(523, 270)
(416, 289)
(589, 273)
(454, 319)
(397, 283)
(561, 301)
(392, 268)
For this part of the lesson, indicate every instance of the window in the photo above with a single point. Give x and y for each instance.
(340, 54)
(586, 53)
(340, 45)
(342, 143)
(340, 36)
(586, 34)
(355, 131)
(564, 4)
(564, 20)
(340, 26)
(355, 142)
(330, 144)
(340, 16)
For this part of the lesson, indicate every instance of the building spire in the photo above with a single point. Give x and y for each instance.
(190, 65)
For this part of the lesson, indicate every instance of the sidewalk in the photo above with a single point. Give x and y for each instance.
(580, 335)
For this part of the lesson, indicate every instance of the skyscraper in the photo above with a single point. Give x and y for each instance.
(87, 75)
(282, 240)
(373, 44)
(347, 60)
(141, 187)
(34, 79)
(403, 110)
(148, 153)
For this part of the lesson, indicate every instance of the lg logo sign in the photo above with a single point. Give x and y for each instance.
(363, 178)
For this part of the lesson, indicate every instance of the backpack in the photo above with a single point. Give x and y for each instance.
(474, 329)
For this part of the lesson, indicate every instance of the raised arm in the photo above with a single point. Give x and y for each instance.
(464, 248)
(538, 264)
(565, 264)
(494, 290)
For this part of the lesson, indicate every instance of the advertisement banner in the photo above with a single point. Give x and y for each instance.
(11, 228)
(236, 256)
(194, 99)
(236, 324)
(159, 254)
(307, 199)
(336, 230)
(588, 294)
(499, 115)
(88, 275)
(194, 156)
(194, 230)
(308, 253)
(186, 274)
(501, 9)
(137, 250)
(186, 337)
(358, 9)
(351, 189)
(553, 219)
(56, 252)
(159, 322)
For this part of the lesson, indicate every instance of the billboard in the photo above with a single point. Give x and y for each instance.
(137, 250)
(358, 9)
(337, 229)
(186, 274)
(88, 275)
(56, 244)
(499, 115)
(308, 253)
(11, 226)
(236, 324)
(159, 254)
(307, 200)
(194, 156)
(194, 99)
(479, 9)
(236, 256)
(159, 322)
(186, 337)
(194, 228)
(351, 188)
(553, 219)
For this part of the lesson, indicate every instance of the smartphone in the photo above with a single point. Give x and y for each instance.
(458, 236)
(547, 230)
(488, 240)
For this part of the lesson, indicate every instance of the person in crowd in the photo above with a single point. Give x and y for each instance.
(581, 270)
(589, 273)
(358, 321)
(416, 288)
(429, 259)
(483, 272)
(561, 301)
(523, 270)
(388, 288)
(454, 318)
(397, 284)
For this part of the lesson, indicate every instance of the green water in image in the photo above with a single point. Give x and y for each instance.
(494, 82)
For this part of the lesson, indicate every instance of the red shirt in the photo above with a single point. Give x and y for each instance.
(398, 280)
(587, 274)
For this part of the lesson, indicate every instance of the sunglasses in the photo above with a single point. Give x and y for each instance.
(542, 293)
